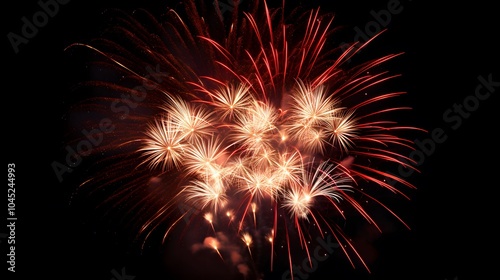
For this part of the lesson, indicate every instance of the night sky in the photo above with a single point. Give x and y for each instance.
(449, 50)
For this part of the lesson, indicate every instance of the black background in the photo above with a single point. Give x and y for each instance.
(452, 214)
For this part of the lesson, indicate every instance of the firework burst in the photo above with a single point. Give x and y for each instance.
(241, 116)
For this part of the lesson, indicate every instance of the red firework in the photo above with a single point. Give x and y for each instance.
(236, 116)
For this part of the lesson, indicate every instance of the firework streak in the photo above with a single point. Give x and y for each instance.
(258, 124)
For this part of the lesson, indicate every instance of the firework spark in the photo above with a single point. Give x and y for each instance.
(215, 245)
(247, 239)
(249, 119)
(162, 146)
